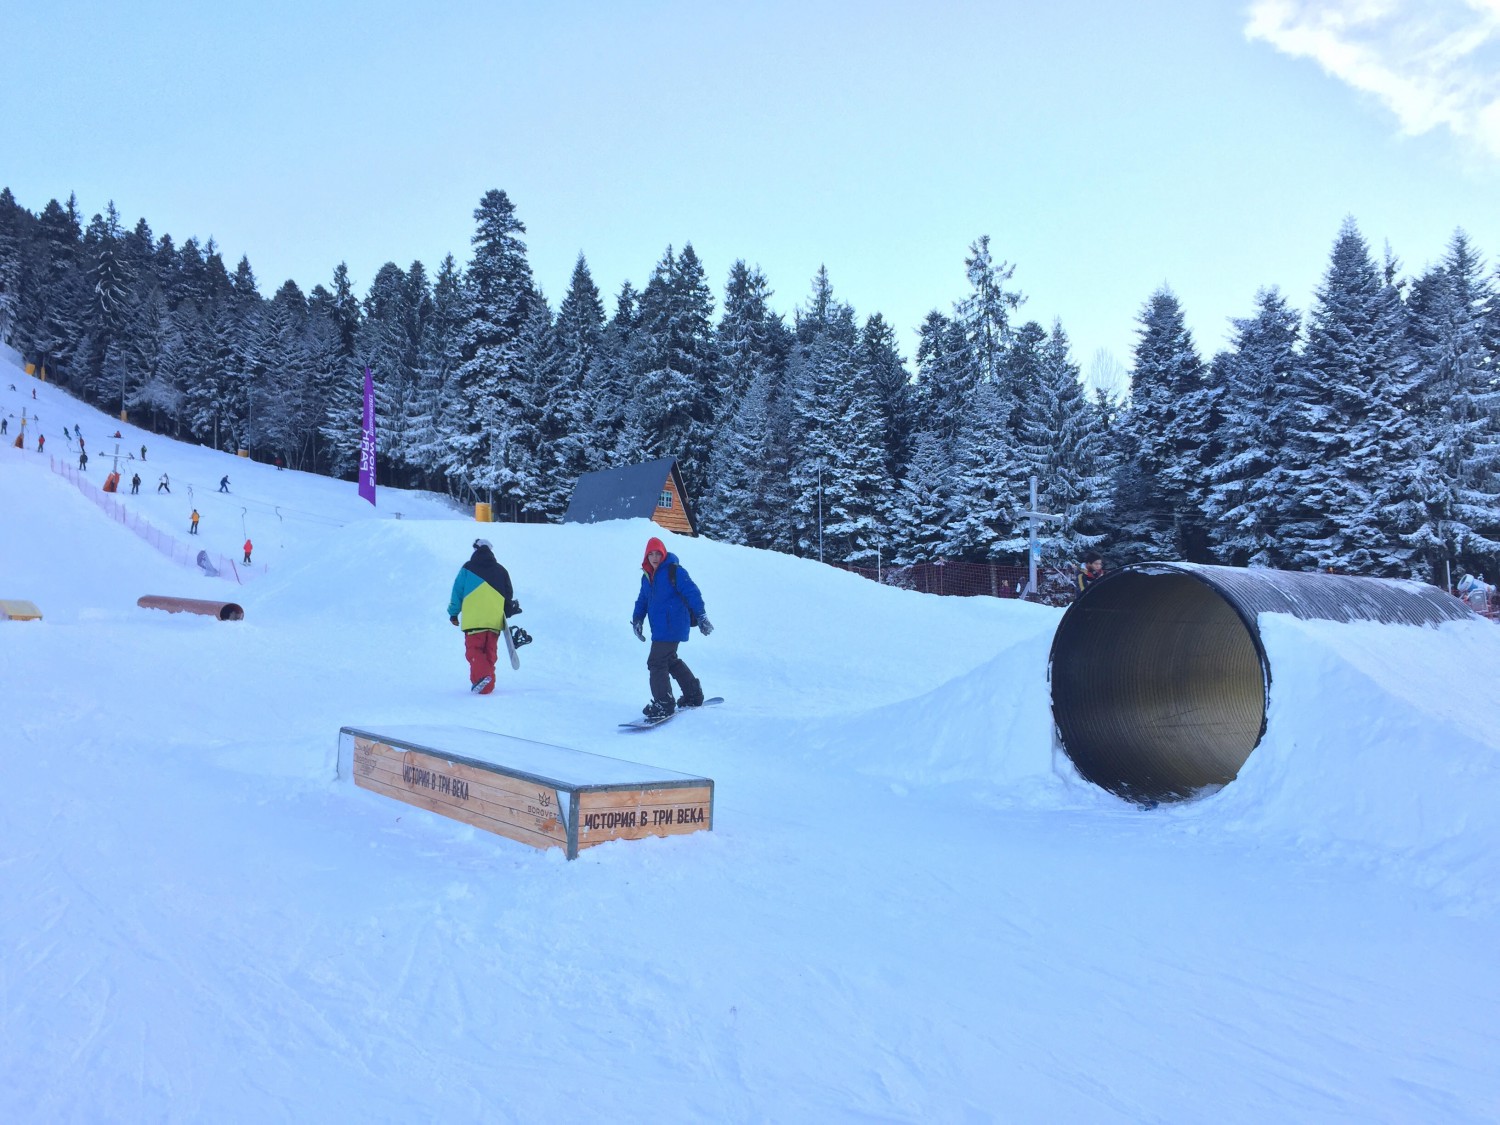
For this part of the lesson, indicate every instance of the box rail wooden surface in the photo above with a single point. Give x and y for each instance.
(543, 795)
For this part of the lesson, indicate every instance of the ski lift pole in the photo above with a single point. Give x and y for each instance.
(1032, 516)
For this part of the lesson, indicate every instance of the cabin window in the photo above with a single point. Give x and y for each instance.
(664, 500)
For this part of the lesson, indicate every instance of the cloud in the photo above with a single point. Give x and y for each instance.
(1433, 63)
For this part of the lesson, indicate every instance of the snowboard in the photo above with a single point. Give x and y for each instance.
(510, 647)
(646, 724)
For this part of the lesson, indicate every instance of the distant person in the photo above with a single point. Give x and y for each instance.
(1091, 572)
(143, 453)
(224, 484)
(4, 424)
(76, 432)
(135, 484)
(118, 434)
(279, 464)
(80, 443)
(248, 548)
(671, 601)
(193, 523)
(481, 600)
(164, 485)
(83, 461)
(41, 442)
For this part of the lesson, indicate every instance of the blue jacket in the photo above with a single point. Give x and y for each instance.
(666, 607)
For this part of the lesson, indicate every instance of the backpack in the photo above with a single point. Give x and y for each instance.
(672, 578)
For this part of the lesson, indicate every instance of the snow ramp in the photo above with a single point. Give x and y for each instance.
(1161, 678)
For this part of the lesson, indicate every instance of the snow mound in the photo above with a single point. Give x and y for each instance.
(1381, 741)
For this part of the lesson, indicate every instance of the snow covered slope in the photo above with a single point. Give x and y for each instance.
(910, 908)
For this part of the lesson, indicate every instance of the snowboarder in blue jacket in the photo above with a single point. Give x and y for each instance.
(670, 600)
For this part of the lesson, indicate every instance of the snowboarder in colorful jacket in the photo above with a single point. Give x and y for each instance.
(670, 600)
(482, 599)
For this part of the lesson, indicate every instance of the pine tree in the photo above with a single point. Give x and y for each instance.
(1064, 444)
(283, 373)
(985, 313)
(674, 397)
(946, 377)
(752, 343)
(923, 505)
(1168, 420)
(568, 440)
(438, 361)
(490, 381)
(11, 220)
(822, 361)
(1460, 404)
(1248, 484)
(1353, 453)
(894, 393)
(988, 492)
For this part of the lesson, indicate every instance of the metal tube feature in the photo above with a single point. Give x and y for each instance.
(224, 611)
(1159, 677)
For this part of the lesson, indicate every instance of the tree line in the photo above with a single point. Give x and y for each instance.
(1362, 437)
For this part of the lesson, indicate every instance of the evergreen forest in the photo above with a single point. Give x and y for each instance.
(1361, 434)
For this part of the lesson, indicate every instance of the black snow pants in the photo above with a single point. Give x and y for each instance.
(664, 662)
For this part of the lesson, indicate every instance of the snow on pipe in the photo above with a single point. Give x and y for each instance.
(224, 611)
(1159, 678)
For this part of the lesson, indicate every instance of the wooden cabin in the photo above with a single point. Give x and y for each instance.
(653, 490)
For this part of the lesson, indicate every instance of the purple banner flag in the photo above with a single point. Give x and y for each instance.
(367, 443)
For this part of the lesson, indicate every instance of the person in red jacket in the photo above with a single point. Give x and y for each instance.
(671, 601)
(248, 548)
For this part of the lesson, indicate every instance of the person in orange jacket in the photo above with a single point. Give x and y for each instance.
(248, 547)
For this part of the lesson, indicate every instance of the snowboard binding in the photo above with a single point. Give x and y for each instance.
(519, 636)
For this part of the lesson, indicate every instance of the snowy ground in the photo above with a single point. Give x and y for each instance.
(909, 910)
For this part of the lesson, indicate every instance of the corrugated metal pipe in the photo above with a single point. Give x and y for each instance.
(1159, 678)
(224, 611)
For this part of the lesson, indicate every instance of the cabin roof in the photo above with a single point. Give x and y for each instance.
(626, 493)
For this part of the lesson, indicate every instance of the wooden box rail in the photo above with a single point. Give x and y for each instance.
(542, 795)
(17, 609)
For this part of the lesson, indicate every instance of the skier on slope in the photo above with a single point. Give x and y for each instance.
(481, 600)
(670, 599)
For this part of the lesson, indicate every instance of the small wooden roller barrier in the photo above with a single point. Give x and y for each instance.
(543, 795)
(14, 609)
(224, 611)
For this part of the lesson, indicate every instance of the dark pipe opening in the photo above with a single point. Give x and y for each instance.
(1158, 686)
(1159, 676)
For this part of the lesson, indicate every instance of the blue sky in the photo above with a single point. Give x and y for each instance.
(1106, 149)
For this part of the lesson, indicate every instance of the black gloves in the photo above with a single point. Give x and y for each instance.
(453, 620)
(512, 608)
(705, 626)
(636, 623)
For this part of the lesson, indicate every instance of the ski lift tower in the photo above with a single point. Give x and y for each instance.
(1032, 516)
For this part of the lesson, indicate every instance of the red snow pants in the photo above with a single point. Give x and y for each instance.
(481, 647)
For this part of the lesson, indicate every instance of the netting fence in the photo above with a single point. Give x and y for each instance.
(1056, 585)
